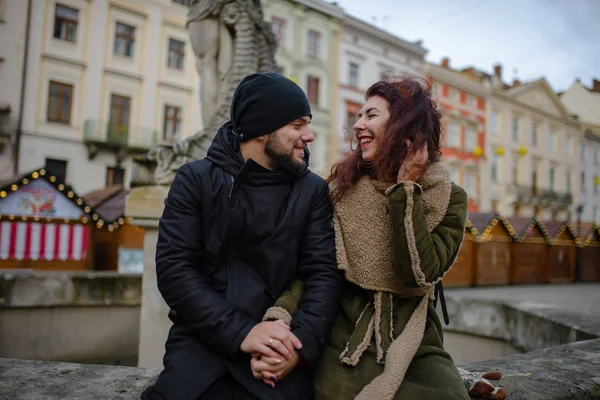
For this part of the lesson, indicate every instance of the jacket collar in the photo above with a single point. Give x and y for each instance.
(224, 154)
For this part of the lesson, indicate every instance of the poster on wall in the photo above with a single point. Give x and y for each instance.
(39, 198)
(131, 261)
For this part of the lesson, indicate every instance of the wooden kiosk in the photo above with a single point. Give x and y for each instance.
(562, 251)
(461, 274)
(492, 249)
(45, 225)
(590, 252)
(529, 251)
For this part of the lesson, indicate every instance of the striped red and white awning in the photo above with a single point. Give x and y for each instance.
(48, 241)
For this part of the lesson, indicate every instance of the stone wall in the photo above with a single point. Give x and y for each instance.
(87, 317)
(564, 372)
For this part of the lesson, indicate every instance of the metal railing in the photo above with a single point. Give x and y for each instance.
(118, 135)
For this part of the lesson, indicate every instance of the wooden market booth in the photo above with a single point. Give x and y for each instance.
(45, 224)
(529, 251)
(485, 255)
(461, 273)
(492, 249)
(562, 251)
(119, 247)
(590, 252)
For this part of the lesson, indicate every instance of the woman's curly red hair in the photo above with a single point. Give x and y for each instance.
(414, 115)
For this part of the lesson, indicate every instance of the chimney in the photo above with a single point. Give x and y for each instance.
(446, 62)
(596, 86)
(498, 71)
(516, 82)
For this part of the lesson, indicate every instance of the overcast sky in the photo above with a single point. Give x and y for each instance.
(558, 39)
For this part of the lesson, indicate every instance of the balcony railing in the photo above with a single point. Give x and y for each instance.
(535, 195)
(119, 136)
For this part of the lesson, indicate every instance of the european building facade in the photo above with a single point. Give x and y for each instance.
(105, 80)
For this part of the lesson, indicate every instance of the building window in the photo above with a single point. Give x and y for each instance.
(552, 141)
(314, 44)
(278, 28)
(124, 40)
(453, 134)
(182, 2)
(515, 129)
(596, 158)
(172, 122)
(176, 54)
(353, 74)
(534, 134)
(470, 139)
(515, 168)
(350, 120)
(567, 146)
(57, 168)
(583, 182)
(582, 152)
(595, 185)
(494, 166)
(568, 177)
(313, 90)
(114, 176)
(551, 178)
(453, 175)
(454, 93)
(119, 114)
(470, 184)
(60, 98)
(494, 122)
(596, 214)
(65, 23)
(534, 174)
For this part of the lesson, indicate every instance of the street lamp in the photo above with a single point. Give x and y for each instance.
(579, 211)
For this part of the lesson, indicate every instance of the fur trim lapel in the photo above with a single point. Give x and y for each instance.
(363, 230)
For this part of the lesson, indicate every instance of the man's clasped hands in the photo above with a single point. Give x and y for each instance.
(274, 349)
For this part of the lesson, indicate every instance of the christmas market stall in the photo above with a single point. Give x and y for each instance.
(120, 246)
(590, 252)
(44, 224)
(562, 251)
(529, 251)
(492, 249)
(461, 273)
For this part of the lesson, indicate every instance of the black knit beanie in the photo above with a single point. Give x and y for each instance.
(264, 102)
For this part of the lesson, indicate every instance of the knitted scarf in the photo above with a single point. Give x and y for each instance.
(364, 252)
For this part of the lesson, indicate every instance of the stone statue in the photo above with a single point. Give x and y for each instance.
(230, 40)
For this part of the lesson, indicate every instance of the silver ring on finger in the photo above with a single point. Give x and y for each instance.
(271, 342)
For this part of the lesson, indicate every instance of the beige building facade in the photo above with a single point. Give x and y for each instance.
(584, 102)
(12, 52)
(367, 54)
(106, 80)
(307, 34)
(533, 144)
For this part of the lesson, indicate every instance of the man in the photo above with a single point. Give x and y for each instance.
(237, 228)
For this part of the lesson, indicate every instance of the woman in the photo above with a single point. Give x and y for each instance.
(399, 223)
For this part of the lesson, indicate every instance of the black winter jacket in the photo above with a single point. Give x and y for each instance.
(232, 237)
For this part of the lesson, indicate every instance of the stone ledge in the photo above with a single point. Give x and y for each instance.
(563, 372)
(570, 371)
(28, 288)
(526, 325)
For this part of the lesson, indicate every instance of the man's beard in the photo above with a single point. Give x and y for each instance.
(280, 161)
